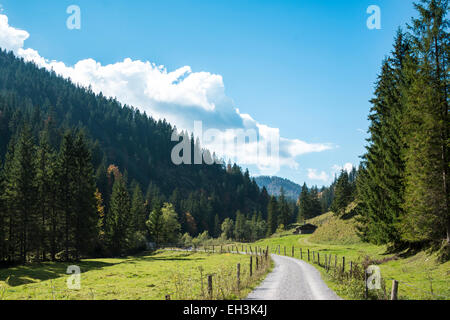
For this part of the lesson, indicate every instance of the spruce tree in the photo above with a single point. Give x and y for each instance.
(427, 128)
(20, 197)
(342, 194)
(304, 204)
(272, 216)
(86, 218)
(66, 170)
(45, 193)
(284, 211)
(155, 225)
(138, 211)
(118, 219)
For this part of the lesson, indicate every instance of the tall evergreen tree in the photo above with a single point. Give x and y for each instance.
(284, 210)
(155, 225)
(342, 194)
(85, 202)
(380, 186)
(118, 220)
(46, 194)
(138, 211)
(20, 197)
(427, 128)
(272, 216)
(304, 204)
(65, 191)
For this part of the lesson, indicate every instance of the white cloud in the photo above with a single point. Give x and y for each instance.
(322, 176)
(347, 167)
(180, 96)
(11, 38)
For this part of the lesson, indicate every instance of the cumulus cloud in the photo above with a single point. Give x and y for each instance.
(314, 175)
(180, 96)
(347, 167)
(11, 39)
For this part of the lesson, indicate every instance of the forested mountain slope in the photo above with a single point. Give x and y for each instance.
(120, 135)
(274, 185)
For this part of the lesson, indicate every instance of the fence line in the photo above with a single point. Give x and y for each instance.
(353, 267)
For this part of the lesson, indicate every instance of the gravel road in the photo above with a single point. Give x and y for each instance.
(292, 279)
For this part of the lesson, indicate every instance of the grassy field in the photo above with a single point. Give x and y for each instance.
(420, 274)
(182, 275)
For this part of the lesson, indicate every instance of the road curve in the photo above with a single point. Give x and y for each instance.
(292, 279)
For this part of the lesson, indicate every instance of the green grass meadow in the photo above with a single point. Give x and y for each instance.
(182, 275)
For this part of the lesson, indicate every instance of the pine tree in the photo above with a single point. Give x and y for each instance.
(342, 194)
(118, 219)
(20, 197)
(426, 193)
(138, 212)
(304, 204)
(381, 187)
(315, 204)
(155, 225)
(45, 193)
(216, 225)
(272, 216)
(239, 227)
(284, 211)
(66, 168)
(85, 203)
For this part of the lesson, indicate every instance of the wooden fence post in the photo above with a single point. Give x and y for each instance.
(351, 268)
(292, 251)
(210, 286)
(278, 249)
(335, 261)
(301, 254)
(257, 262)
(238, 275)
(314, 257)
(394, 292)
(366, 288)
(343, 264)
(308, 255)
(318, 258)
(251, 265)
(284, 250)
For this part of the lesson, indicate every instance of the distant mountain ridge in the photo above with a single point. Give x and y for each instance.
(273, 185)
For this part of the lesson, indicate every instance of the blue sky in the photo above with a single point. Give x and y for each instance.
(306, 67)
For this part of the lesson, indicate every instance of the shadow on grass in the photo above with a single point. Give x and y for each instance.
(180, 256)
(42, 271)
(31, 273)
